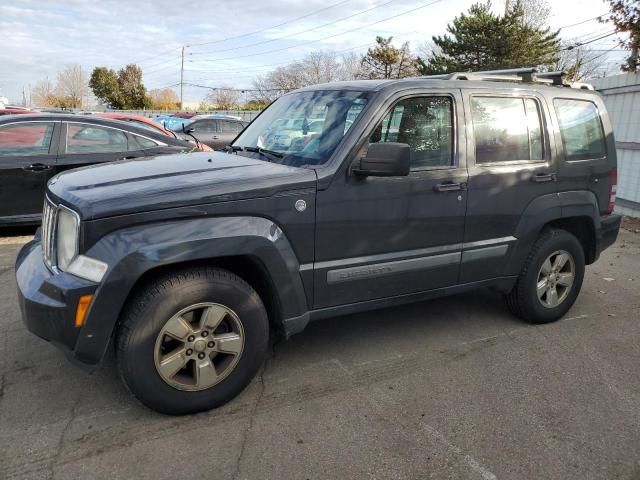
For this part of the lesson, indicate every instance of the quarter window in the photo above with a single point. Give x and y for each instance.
(85, 138)
(506, 129)
(581, 129)
(144, 142)
(426, 125)
(20, 139)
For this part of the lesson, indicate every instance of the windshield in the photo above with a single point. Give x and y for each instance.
(304, 127)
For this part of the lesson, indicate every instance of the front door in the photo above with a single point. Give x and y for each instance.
(380, 237)
(27, 159)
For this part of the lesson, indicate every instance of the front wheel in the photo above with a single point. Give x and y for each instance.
(192, 340)
(550, 280)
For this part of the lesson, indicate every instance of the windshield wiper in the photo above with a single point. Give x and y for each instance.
(263, 151)
(232, 148)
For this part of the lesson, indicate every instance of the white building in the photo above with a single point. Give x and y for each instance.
(622, 96)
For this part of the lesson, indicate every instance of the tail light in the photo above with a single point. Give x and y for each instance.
(613, 187)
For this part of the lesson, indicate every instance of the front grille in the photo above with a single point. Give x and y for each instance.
(49, 221)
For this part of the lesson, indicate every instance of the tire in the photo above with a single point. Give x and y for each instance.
(154, 338)
(524, 300)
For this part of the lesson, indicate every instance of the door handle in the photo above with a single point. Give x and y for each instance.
(127, 158)
(449, 187)
(544, 177)
(215, 137)
(37, 167)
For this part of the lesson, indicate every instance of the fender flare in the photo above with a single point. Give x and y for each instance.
(543, 210)
(133, 251)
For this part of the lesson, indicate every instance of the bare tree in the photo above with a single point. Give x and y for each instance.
(537, 13)
(43, 94)
(580, 63)
(351, 67)
(225, 98)
(72, 86)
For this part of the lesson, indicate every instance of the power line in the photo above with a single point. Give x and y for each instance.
(580, 44)
(584, 21)
(297, 33)
(327, 37)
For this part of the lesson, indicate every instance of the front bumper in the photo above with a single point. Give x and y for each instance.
(48, 300)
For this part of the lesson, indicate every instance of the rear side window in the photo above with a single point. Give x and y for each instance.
(581, 129)
(85, 138)
(507, 129)
(20, 139)
(426, 125)
(230, 126)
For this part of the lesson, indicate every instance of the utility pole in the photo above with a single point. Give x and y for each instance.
(181, 78)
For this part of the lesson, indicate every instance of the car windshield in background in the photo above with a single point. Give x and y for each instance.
(305, 127)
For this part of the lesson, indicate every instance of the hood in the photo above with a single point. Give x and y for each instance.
(168, 181)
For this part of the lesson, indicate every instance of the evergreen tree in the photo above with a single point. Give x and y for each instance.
(482, 40)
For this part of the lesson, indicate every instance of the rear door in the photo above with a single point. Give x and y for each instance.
(28, 153)
(510, 164)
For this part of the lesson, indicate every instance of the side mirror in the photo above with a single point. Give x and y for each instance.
(385, 160)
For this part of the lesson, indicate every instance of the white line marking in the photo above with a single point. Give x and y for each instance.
(468, 459)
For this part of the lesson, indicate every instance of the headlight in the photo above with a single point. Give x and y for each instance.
(67, 232)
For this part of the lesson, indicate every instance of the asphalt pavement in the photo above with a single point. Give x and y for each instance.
(452, 388)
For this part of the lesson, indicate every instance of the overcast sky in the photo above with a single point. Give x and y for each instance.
(229, 42)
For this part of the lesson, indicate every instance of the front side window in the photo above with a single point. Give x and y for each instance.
(507, 129)
(85, 138)
(426, 125)
(304, 128)
(581, 129)
(33, 138)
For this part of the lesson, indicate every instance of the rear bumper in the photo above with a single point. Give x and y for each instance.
(48, 300)
(609, 227)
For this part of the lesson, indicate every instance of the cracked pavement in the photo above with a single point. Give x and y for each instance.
(452, 388)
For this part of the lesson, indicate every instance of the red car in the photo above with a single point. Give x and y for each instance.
(14, 111)
(150, 124)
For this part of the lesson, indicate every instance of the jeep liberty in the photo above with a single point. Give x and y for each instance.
(338, 198)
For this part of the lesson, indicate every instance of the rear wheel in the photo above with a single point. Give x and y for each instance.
(192, 340)
(550, 280)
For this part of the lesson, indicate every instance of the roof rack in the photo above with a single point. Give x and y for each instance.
(521, 75)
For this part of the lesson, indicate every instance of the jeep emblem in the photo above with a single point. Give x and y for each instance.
(301, 205)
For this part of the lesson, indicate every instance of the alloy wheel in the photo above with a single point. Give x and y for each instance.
(555, 278)
(199, 346)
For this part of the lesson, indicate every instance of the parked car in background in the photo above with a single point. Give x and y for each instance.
(33, 148)
(14, 111)
(217, 131)
(152, 125)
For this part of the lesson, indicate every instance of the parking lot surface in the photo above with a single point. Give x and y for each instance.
(452, 388)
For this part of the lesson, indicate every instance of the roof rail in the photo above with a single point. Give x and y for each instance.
(520, 75)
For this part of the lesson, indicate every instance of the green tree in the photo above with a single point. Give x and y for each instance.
(482, 40)
(387, 61)
(104, 84)
(132, 90)
(122, 90)
(625, 16)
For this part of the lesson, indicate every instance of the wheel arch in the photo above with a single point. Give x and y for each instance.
(253, 248)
